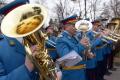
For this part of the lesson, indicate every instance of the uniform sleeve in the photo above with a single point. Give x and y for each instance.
(62, 49)
(79, 48)
(2, 70)
(93, 41)
(19, 47)
(21, 73)
(64, 46)
(110, 42)
(96, 42)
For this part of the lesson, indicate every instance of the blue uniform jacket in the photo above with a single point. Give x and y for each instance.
(91, 63)
(95, 42)
(12, 58)
(50, 46)
(65, 44)
(108, 48)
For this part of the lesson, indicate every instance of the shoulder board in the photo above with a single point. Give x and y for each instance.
(60, 35)
(68, 37)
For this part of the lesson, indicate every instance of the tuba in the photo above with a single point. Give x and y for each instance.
(113, 34)
(31, 15)
(114, 27)
(103, 28)
(117, 26)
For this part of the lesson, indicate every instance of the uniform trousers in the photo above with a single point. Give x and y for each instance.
(91, 74)
(99, 70)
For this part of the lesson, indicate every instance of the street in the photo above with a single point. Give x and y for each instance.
(115, 74)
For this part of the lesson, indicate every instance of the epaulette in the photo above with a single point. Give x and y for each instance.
(60, 35)
(1, 37)
(68, 37)
(11, 43)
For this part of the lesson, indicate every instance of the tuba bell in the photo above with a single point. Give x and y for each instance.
(113, 26)
(26, 21)
(117, 26)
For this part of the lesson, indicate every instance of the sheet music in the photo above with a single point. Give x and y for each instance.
(71, 59)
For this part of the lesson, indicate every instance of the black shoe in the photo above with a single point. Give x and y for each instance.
(113, 69)
(108, 73)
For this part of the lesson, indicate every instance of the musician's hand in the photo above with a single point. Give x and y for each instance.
(90, 55)
(106, 32)
(84, 41)
(102, 34)
(35, 50)
(28, 62)
(98, 35)
(59, 75)
(29, 65)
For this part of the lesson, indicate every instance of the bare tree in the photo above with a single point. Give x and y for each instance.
(106, 11)
(115, 7)
(40, 1)
(2, 2)
(79, 7)
(93, 8)
(80, 10)
(60, 9)
(111, 9)
(63, 9)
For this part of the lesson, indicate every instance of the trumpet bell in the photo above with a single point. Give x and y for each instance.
(12, 19)
(83, 25)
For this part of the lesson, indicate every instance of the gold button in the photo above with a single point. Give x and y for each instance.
(12, 43)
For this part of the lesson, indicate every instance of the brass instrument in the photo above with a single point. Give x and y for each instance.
(117, 26)
(113, 32)
(51, 43)
(105, 38)
(112, 35)
(41, 60)
(112, 26)
(84, 26)
(110, 38)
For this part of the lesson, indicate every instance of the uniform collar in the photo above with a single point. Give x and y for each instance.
(66, 33)
(1, 37)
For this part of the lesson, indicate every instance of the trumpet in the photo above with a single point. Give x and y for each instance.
(48, 41)
(51, 43)
(110, 38)
(115, 34)
(112, 31)
(106, 38)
